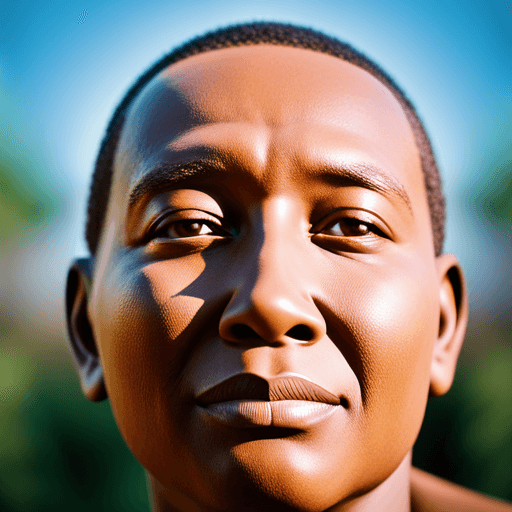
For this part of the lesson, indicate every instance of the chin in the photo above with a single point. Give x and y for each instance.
(276, 475)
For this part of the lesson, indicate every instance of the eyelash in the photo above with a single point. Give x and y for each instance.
(347, 225)
(189, 223)
(162, 227)
(351, 223)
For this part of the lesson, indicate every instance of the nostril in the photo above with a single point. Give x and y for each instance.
(241, 332)
(301, 332)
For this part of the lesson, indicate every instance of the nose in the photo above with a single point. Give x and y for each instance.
(272, 301)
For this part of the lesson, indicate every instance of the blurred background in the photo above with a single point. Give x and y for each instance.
(63, 68)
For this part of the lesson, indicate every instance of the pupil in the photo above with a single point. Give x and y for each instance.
(355, 227)
(188, 228)
(363, 229)
(192, 226)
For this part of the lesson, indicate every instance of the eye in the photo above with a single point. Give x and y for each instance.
(350, 226)
(178, 228)
(185, 228)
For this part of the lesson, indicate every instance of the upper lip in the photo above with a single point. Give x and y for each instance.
(247, 386)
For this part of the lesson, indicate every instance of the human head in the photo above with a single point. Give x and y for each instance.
(298, 242)
(251, 34)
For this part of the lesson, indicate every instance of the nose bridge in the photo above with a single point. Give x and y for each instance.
(273, 298)
(280, 275)
(278, 257)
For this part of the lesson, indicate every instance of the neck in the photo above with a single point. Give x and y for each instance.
(392, 494)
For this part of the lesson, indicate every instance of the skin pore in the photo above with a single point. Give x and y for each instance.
(268, 216)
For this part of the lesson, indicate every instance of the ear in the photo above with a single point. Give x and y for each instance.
(453, 320)
(80, 332)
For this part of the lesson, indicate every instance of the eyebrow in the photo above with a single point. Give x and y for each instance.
(366, 176)
(163, 176)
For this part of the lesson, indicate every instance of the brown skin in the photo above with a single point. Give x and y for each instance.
(284, 236)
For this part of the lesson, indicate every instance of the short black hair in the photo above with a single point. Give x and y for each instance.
(253, 34)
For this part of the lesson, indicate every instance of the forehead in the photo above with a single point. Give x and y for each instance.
(267, 105)
(267, 84)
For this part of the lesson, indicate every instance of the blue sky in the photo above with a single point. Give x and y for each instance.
(64, 66)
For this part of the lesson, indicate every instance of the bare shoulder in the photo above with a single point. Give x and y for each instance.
(430, 493)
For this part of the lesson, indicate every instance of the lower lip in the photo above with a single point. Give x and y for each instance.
(298, 414)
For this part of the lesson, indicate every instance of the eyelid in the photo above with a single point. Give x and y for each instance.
(360, 214)
(169, 215)
(165, 215)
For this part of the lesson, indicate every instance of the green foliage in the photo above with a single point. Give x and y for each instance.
(467, 434)
(28, 196)
(494, 198)
(23, 203)
(57, 450)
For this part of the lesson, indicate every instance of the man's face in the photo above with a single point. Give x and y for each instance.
(268, 217)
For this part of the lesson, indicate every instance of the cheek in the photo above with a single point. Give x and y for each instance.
(388, 340)
(399, 325)
(141, 320)
(398, 355)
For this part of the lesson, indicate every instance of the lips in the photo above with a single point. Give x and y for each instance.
(247, 386)
(247, 401)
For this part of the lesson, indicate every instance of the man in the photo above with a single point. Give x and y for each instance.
(266, 304)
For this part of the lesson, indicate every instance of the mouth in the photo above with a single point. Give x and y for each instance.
(247, 400)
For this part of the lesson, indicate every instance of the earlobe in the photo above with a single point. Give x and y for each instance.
(452, 324)
(80, 331)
